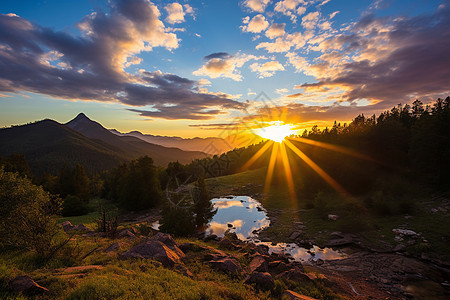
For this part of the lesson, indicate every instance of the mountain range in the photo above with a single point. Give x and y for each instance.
(48, 145)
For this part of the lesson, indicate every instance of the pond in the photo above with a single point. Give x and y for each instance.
(245, 216)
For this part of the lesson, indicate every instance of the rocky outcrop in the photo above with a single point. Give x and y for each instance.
(227, 265)
(262, 280)
(258, 264)
(67, 226)
(154, 250)
(167, 240)
(24, 284)
(126, 234)
(294, 275)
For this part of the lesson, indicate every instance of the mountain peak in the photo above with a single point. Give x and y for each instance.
(81, 116)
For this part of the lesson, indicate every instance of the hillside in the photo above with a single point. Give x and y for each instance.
(132, 146)
(48, 145)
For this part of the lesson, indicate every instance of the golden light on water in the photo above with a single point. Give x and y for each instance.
(276, 132)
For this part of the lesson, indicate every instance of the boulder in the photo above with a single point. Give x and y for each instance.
(227, 265)
(278, 266)
(183, 271)
(261, 280)
(112, 247)
(225, 243)
(333, 217)
(153, 250)
(66, 226)
(258, 264)
(82, 227)
(405, 232)
(294, 275)
(24, 284)
(126, 234)
(167, 240)
(296, 296)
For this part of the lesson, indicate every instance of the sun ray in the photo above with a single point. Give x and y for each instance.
(257, 155)
(334, 184)
(271, 167)
(288, 173)
(335, 148)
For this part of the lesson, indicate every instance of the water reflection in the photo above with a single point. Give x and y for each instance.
(245, 216)
(239, 214)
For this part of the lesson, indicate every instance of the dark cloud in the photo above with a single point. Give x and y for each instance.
(91, 66)
(221, 55)
(401, 59)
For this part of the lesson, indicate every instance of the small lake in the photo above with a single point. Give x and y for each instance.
(245, 216)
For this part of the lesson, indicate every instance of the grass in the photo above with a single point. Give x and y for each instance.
(136, 279)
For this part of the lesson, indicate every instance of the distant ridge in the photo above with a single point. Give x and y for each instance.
(48, 145)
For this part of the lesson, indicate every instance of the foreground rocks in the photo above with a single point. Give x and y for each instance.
(263, 281)
(24, 284)
(167, 253)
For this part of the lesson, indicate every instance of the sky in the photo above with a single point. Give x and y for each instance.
(211, 67)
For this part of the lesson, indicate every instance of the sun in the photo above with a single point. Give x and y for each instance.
(276, 132)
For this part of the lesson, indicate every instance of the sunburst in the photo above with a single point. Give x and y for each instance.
(280, 138)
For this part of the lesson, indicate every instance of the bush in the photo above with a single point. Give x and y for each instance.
(27, 214)
(74, 206)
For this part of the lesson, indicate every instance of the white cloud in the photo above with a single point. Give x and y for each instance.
(257, 24)
(275, 30)
(227, 67)
(257, 5)
(310, 20)
(176, 13)
(281, 91)
(267, 69)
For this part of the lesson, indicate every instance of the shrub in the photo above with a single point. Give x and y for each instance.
(74, 206)
(27, 214)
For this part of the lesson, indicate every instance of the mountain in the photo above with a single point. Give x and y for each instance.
(210, 145)
(132, 146)
(48, 145)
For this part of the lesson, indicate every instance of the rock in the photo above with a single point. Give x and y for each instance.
(294, 235)
(333, 217)
(258, 264)
(295, 296)
(229, 225)
(211, 237)
(183, 271)
(278, 266)
(167, 240)
(126, 234)
(405, 232)
(225, 243)
(399, 248)
(153, 250)
(262, 280)
(112, 247)
(228, 265)
(262, 249)
(24, 284)
(82, 227)
(294, 275)
(66, 226)
(339, 242)
(319, 262)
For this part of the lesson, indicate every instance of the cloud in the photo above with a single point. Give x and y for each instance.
(257, 24)
(176, 13)
(386, 60)
(310, 20)
(285, 43)
(221, 55)
(275, 30)
(267, 69)
(91, 66)
(281, 91)
(257, 5)
(290, 9)
(224, 65)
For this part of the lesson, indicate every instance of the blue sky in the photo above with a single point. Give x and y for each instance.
(165, 67)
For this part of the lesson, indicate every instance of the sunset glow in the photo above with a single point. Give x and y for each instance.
(277, 132)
